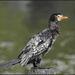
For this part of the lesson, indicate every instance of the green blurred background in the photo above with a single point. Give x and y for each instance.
(20, 20)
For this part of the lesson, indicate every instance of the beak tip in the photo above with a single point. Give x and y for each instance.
(66, 17)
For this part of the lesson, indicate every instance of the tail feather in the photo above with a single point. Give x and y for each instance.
(25, 59)
(6, 65)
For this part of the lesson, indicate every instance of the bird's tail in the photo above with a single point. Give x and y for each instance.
(6, 65)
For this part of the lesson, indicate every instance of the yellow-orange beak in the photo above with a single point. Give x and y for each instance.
(63, 17)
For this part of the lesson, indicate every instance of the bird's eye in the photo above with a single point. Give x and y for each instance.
(58, 16)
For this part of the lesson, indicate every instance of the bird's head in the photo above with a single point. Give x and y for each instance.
(57, 17)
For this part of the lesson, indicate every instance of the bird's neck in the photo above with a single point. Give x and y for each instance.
(52, 23)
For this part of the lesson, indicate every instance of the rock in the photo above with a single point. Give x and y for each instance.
(42, 70)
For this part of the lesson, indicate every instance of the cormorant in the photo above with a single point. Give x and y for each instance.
(39, 45)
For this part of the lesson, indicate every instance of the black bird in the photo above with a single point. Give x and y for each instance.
(39, 45)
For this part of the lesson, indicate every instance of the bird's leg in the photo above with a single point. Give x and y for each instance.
(40, 66)
(39, 62)
(34, 64)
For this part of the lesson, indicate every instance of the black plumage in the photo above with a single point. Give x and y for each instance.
(38, 46)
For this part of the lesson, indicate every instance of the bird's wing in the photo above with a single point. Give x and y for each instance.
(34, 47)
(30, 49)
(34, 52)
(36, 41)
